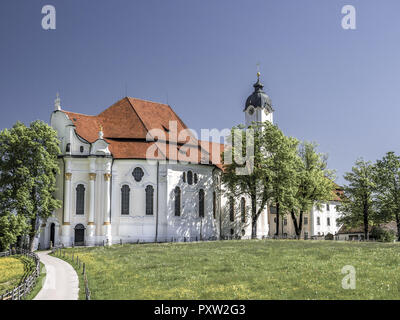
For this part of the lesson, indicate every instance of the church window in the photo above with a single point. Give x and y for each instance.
(318, 221)
(251, 111)
(138, 174)
(231, 209)
(201, 203)
(327, 206)
(214, 204)
(305, 220)
(80, 199)
(184, 177)
(81, 149)
(125, 191)
(149, 200)
(328, 221)
(243, 209)
(285, 221)
(195, 178)
(190, 177)
(177, 192)
(68, 147)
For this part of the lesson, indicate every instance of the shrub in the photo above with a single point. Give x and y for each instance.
(380, 234)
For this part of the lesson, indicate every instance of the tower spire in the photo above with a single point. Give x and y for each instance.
(57, 102)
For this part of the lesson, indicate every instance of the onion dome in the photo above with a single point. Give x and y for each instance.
(259, 98)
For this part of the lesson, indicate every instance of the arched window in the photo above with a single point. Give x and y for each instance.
(177, 192)
(149, 200)
(231, 209)
(201, 203)
(68, 147)
(196, 179)
(80, 199)
(243, 209)
(184, 177)
(190, 177)
(125, 191)
(214, 204)
(138, 174)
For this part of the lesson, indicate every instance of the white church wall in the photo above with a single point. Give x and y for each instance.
(137, 225)
(189, 225)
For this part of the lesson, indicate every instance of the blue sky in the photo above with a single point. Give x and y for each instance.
(337, 87)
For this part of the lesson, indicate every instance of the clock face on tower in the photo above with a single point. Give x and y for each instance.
(251, 111)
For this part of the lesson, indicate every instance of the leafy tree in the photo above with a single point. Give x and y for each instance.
(268, 169)
(314, 183)
(387, 180)
(357, 206)
(11, 226)
(28, 169)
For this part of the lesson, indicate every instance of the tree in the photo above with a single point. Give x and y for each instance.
(387, 198)
(267, 169)
(28, 169)
(357, 205)
(314, 183)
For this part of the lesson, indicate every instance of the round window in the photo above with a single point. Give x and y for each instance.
(251, 110)
(138, 174)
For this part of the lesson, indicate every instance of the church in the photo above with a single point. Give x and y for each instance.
(135, 173)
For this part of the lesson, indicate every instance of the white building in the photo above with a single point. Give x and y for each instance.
(120, 179)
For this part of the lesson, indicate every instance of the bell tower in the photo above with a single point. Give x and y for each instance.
(258, 106)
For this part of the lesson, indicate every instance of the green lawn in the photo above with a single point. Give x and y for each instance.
(11, 272)
(256, 269)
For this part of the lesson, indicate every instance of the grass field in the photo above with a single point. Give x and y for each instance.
(264, 269)
(11, 272)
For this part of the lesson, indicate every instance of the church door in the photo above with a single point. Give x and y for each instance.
(52, 233)
(79, 235)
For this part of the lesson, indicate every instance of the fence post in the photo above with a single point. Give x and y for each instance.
(83, 268)
(120, 241)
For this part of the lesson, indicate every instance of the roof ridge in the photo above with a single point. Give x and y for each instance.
(164, 104)
(82, 114)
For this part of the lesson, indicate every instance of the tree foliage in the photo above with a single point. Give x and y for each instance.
(357, 205)
(387, 197)
(28, 168)
(314, 183)
(269, 169)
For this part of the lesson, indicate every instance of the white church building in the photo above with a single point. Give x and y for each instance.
(120, 178)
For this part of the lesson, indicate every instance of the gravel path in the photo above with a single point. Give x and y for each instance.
(61, 282)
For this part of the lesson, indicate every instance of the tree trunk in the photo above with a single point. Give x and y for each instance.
(296, 228)
(366, 236)
(32, 233)
(398, 225)
(300, 224)
(253, 218)
(277, 219)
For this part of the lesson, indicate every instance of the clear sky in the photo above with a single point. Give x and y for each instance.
(337, 87)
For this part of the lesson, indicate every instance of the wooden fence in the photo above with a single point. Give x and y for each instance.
(59, 252)
(28, 282)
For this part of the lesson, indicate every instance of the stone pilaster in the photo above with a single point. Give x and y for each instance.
(66, 227)
(107, 209)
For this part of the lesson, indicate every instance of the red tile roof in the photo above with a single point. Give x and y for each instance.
(127, 123)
